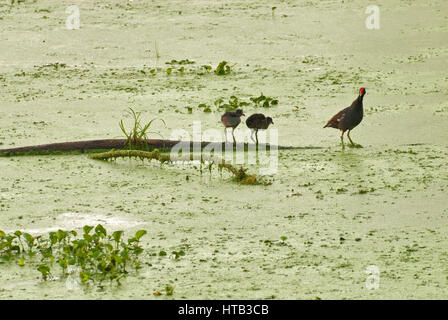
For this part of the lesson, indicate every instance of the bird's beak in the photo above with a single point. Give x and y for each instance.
(243, 114)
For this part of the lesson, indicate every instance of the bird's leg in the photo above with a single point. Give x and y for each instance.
(233, 135)
(225, 133)
(355, 145)
(256, 135)
(342, 140)
(252, 135)
(348, 136)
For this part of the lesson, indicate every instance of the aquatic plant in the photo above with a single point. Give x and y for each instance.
(97, 255)
(223, 68)
(180, 62)
(207, 68)
(280, 243)
(137, 135)
(264, 101)
(169, 290)
(137, 154)
(206, 108)
(235, 102)
(240, 176)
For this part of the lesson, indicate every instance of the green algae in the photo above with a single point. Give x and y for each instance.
(137, 154)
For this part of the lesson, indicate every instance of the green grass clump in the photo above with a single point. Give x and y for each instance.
(98, 255)
(136, 137)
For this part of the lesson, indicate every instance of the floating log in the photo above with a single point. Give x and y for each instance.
(107, 144)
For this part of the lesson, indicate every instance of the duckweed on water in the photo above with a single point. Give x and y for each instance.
(98, 256)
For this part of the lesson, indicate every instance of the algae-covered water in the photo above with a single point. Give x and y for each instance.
(384, 205)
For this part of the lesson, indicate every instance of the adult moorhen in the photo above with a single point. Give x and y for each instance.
(349, 118)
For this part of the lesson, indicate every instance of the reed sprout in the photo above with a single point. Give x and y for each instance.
(136, 137)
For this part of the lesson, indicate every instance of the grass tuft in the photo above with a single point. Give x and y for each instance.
(137, 135)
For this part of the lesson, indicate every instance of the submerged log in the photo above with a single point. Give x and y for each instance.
(107, 144)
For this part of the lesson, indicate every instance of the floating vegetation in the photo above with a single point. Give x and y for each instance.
(240, 176)
(223, 68)
(443, 109)
(234, 103)
(205, 107)
(364, 191)
(96, 80)
(264, 101)
(270, 243)
(355, 77)
(97, 256)
(180, 62)
(207, 68)
(137, 154)
(54, 66)
(314, 60)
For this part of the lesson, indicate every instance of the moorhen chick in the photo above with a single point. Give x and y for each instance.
(258, 121)
(349, 118)
(231, 119)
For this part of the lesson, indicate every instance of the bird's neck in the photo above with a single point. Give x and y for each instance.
(359, 101)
